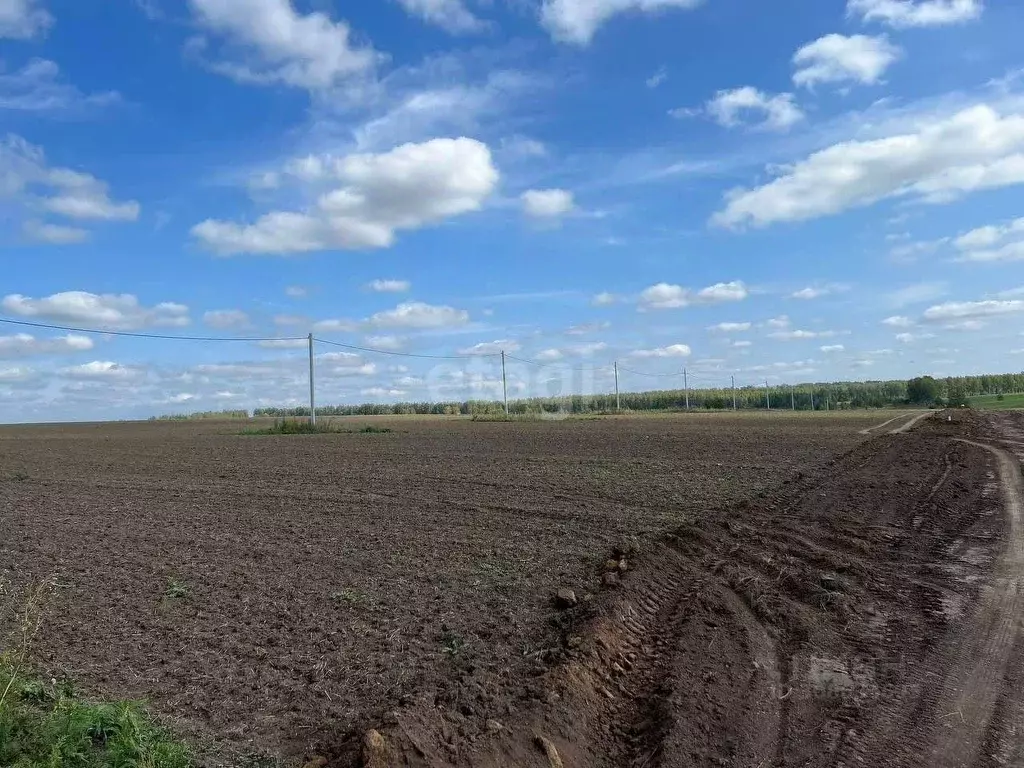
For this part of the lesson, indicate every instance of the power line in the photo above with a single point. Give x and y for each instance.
(138, 335)
(557, 364)
(401, 354)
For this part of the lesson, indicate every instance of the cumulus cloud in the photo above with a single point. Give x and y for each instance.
(226, 319)
(26, 178)
(547, 203)
(668, 296)
(389, 286)
(23, 19)
(972, 310)
(730, 327)
(54, 234)
(829, 349)
(296, 292)
(270, 41)
(916, 13)
(25, 344)
(37, 88)
(673, 350)
(840, 59)
(386, 343)
(993, 243)
(576, 21)
(104, 311)
(283, 343)
(809, 293)
(335, 325)
(450, 15)
(604, 299)
(411, 186)
(749, 106)
(898, 321)
(974, 149)
(100, 369)
(417, 314)
(488, 348)
(800, 335)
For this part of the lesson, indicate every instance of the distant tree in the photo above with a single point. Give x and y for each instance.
(924, 390)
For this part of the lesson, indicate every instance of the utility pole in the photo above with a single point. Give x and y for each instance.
(686, 388)
(312, 396)
(617, 406)
(734, 393)
(792, 397)
(767, 395)
(504, 382)
(812, 399)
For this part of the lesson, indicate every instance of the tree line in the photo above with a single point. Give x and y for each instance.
(924, 391)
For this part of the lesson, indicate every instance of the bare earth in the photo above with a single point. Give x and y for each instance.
(751, 591)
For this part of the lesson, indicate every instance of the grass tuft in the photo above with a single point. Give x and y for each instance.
(295, 427)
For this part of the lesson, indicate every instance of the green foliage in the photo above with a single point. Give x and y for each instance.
(452, 643)
(202, 415)
(176, 589)
(19, 477)
(46, 726)
(348, 595)
(999, 402)
(297, 427)
(924, 390)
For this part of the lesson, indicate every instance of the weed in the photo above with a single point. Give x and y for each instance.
(348, 595)
(19, 477)
(176, 589)
(452, 643)
(295, 427)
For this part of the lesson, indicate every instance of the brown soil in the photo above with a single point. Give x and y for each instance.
(868, 614)
(281, 595)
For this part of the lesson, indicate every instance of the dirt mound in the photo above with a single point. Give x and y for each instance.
(826, 624)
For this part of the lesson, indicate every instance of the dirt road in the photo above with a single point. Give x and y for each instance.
(868, 614)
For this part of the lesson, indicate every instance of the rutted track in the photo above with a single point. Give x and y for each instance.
(829, 624)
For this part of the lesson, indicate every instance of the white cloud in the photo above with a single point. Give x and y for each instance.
(742, 344)
(584, 350)
(547, 203)
(980, 245)
(729, 109)
(916, 13)
(910, 338)
(25, 177)
(657, 78)
(36, 88)
(334, 325)
(226, 319)
(296, 292)
(604, 299)
(898, 321)
(674, 350)
(416, 314)
(269, 41)
(386, 343)
(382, 392)
(730, 327)
(576, 21)
(488, 348)
(800, 335)
(584, 328)
(24, 344)
(840, 59)
(829, 349)
(972, 310)
(974, 149)
(23, 19)
(389, 286)
(55, 234)
(290, 320)
(106, 311)
(667, 296)
(99, 369)
(809, 293)
(782, 321)
(550, 355)
(450, 15)
(411, 186)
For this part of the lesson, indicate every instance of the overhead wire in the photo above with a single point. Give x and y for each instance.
(395, 353)
(141, 335)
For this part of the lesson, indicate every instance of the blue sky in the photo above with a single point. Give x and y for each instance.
(789, 191)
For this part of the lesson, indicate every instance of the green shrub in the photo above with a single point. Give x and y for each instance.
(46, 726)
(297, 427)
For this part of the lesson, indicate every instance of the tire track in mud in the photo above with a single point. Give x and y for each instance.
(871, 430)
(909, 425)
(971, 689)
